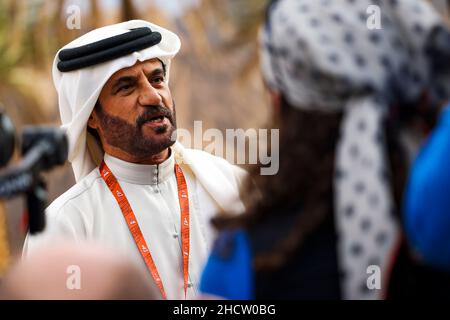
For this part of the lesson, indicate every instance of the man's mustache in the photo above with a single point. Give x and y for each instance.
(152, 112)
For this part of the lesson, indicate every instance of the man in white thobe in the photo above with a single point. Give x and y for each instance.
(116, 107)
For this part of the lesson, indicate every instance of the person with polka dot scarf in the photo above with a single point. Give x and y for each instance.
(347, 79)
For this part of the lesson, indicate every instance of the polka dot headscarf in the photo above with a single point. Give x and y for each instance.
(359, 57)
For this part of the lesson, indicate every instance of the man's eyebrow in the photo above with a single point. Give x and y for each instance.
(123, 80)
(156, 72)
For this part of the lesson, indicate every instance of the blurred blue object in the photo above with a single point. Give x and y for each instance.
(427, 198)
(228, 272)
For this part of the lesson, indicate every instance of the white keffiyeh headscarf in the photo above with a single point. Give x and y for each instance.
(78, 90)
(324, 54)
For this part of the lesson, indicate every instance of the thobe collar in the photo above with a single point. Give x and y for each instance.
(141, 173)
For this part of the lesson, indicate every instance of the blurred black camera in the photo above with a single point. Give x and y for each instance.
(42, 148)
(7, 139)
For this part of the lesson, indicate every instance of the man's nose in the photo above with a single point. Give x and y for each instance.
(149, 95)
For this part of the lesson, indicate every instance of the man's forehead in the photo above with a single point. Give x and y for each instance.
(147, 66)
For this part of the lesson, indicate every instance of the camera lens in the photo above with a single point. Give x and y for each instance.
(7, 139)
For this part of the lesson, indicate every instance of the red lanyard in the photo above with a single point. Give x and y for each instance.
(136, 232)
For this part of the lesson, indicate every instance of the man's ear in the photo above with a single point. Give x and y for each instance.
(93, 121)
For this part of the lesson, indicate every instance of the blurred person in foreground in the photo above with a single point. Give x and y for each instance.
(70, 270)
(343, 95)
(138, 191)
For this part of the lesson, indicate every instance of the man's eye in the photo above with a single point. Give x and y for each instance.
(125, 88)
(158, 80)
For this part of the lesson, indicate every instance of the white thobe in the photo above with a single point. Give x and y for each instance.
(89, 211)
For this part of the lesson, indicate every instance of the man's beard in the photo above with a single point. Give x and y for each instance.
(131, 139)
